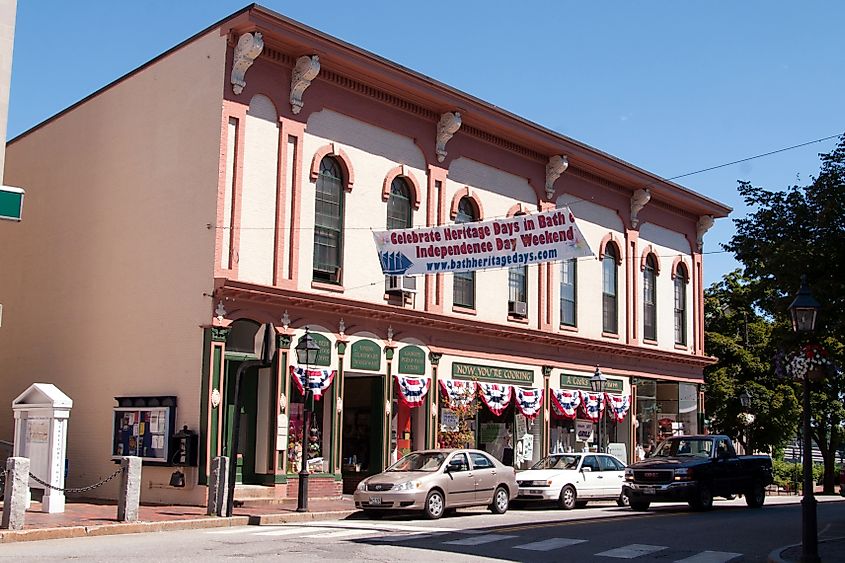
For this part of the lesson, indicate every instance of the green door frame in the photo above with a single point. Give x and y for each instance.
(245, 469)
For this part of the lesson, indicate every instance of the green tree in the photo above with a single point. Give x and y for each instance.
(801, 230)
(737, 334)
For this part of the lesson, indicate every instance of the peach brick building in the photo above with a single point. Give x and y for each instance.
(236, 180)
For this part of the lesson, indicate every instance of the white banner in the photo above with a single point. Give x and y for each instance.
(497, 243)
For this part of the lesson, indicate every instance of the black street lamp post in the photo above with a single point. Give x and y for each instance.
(803, 310)
(306, 353)
(745, 401)
(598, 383)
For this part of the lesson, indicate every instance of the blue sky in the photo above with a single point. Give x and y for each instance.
(672, 87)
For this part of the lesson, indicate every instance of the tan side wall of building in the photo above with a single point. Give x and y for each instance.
(103, 284)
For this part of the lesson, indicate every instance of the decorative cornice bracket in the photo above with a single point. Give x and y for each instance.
(448, 125)
(247, 50)
(306, 69)
(556, 166)
(639, 200)
(704, 224)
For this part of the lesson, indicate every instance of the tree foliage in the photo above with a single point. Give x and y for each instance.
(799, 230)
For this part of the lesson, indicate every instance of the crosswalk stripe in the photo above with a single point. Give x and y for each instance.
(390, 527)
(292, 531)
(631, 551)
(549, 544)
(710, 557)
(407, 537)
(221, 531)
(342, 534)
(478, 540)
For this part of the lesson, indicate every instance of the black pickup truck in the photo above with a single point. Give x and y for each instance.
(695, 469)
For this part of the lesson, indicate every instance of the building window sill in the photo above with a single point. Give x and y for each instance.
(520, 320)
(463, 310)
(327, 286)
(683, 347)
(569, 328)
(613, 335)
(649, 341)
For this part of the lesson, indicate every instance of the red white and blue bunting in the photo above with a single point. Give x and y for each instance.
(566, 402)
(318, 380)
(458, 393)
(593, 405)
(528, 401)
(497, 396)
(618, 405)
(412, 390)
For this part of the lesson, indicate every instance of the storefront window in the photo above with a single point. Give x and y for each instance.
(664, 409)
(317, 437)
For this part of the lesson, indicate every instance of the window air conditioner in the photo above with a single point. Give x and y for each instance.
(518, 308)
(400, 284)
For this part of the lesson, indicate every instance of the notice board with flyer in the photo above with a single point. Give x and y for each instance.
(142, 427)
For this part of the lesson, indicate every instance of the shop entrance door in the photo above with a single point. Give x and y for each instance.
(363, 428)
(245, 470)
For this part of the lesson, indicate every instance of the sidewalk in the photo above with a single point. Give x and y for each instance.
(94, 519)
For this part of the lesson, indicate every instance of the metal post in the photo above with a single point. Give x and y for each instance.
(809, 523)
(302, 498)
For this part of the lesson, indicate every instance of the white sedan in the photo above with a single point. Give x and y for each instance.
(573, 479)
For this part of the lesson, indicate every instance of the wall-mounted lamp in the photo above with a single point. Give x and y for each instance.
(283, 403)
(339, 405)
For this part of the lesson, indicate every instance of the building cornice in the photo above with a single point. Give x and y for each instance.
(263, 296)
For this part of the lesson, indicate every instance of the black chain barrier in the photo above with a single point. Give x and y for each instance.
(80, 489)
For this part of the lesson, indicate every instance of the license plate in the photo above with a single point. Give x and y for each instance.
(375, 500)
(649, 490)
(534, 492)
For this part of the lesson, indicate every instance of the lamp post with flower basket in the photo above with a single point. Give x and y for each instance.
(807, 365)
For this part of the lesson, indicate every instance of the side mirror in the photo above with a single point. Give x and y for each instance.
(586, 469)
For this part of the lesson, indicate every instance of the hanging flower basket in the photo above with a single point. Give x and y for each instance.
(811, 362)
(745, 418)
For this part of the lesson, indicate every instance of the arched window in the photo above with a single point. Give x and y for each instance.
(399, 205)
(328, 222)
(650, 298)
(463, 283)
(610, 315)
(681, 279)
(568, 292)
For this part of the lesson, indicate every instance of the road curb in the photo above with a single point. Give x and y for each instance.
(776, 556)
(35, 534)
(270, 519)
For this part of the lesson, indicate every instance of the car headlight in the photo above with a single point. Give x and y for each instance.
(546, 483)
(629, 474)
(362, 486)
(408, 486)
(683, 474)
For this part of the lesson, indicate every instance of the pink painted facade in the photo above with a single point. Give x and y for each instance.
(378, 122)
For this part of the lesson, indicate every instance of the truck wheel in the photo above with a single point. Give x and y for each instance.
(567, 498)
(755, 497)
(703, 499)
(623, 500)
(639, 505)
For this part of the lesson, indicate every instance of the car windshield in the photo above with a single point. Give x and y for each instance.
(679, 447)
(558, 462)
(425, 461)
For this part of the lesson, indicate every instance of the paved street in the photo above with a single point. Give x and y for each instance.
(729, 533)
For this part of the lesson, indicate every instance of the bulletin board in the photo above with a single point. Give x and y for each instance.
(143, 430)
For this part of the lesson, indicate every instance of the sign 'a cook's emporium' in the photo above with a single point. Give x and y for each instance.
(497, 243)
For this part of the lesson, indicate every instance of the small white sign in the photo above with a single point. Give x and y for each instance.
(584, 430)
